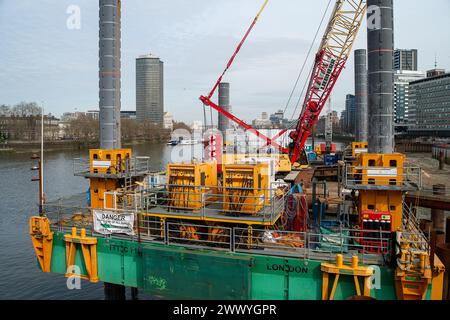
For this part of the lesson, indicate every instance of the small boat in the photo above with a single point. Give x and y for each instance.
(188, 142)
(173, 142)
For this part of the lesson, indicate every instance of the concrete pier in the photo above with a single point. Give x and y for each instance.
(380, 44)
(361, 83)
(109, 73)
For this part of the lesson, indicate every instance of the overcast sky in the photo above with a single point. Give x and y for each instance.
(42, 60)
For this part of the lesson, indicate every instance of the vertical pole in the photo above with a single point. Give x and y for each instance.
(114, 292)
(438, 216)
(447, 231)
(41, 200)
(380, 44)
(224, 103)
(441, 160)
(41, 166)
(109, 72)
(361, 95)
(313, 145)
(134, 294)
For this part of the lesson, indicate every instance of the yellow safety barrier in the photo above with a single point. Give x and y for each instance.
(42, 239)
(89, 250)
(339, 269)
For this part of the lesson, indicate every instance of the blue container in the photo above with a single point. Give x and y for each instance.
(330, 159)
(312, 157)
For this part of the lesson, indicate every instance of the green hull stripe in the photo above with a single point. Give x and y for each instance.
(174, 272)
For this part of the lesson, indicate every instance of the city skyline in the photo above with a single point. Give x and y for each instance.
(59, 66)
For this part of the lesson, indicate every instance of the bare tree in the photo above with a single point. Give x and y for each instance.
(83, 128)
(26, 109)
(5, 110)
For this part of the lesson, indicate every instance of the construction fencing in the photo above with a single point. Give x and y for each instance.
(372, 246)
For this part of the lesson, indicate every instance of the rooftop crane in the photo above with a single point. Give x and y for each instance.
(330, 60)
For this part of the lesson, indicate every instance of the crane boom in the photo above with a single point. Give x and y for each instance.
(230, 62)
(330, 60)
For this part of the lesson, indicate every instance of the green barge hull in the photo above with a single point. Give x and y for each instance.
(172, 272)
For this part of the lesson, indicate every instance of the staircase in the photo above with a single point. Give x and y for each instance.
(412, 289)
(413, 274)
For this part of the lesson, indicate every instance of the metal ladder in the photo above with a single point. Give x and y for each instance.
(413, 273)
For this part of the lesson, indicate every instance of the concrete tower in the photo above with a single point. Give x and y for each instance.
(362, 129)
(224, 103)
(380, 44)
(109, 72)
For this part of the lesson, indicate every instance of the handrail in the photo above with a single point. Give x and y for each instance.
(128, 167)
(373, 246)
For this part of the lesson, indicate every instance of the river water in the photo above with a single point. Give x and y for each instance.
(20, 277)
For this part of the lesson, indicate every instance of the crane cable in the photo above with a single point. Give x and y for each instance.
(307, 57)
(230, 62)
(292, 125)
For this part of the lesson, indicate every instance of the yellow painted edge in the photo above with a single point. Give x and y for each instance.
(165, 216)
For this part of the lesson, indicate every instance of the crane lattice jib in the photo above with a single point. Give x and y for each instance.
(332, 55)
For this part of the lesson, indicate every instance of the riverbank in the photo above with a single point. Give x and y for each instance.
(64, 145)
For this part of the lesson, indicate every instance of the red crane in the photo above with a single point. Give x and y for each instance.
(330, 60)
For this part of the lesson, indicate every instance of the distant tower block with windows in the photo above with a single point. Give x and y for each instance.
(150, 89)
(224, 103)
(405, 60)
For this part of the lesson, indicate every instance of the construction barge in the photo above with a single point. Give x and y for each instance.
(188, 235)
(234, 226)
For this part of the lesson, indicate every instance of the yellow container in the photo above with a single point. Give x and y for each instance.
(282, 161)
(106, 162)
(359, 147)
(245, 188)
(387, 169)
(109, 161)
(382, 170)
(383, 201)
(190, 186)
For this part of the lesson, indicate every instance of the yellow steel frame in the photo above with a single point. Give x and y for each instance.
(186, 187)
(282, 161)
(42, 239)
(89, 250)
(342, 29)
(339, 269)
(114, 156)
(382, 200)
(225, 219)
(234, 176)
(101, 185)
(359, 146)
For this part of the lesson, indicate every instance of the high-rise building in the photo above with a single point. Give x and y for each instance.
(277, 118)
(168, 121)
(429, 108)
(343, 121)
(402, 78)
(263, 122)
(150, 89)
(405, 59)
(350, 114)
(435, 73)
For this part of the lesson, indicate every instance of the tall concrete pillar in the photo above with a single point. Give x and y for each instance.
(438, 216)
(114, 291)
(361, 83)
(109, 73)
(224, 103)
(380, 45)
